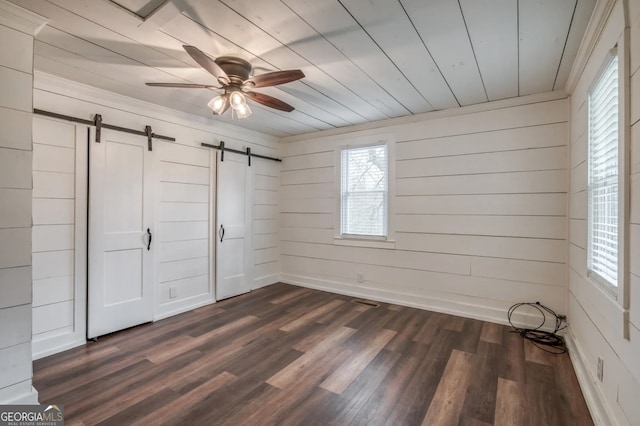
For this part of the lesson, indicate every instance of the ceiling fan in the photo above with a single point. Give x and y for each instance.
(233, 76)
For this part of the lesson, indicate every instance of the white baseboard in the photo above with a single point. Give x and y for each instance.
(54, 345)
(174, 308)
(447, 306)
(28, 396)
(28, 399)
(60, 343)
(265, 281)
(590, 390)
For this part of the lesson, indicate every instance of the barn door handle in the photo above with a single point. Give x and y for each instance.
(221, 233)
(150, 237)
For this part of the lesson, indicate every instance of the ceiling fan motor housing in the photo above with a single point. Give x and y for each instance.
(237, 69)
(233, 75)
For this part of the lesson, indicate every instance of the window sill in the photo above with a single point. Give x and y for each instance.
(609, 290)
(364, 242)
(603, 307)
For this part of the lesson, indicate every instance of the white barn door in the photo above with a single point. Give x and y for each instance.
(233, 234)
(121, 244)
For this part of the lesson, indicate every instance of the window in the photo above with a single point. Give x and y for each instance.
(364, 191)
(603, 191)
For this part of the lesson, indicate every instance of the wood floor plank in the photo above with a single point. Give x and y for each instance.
(390, 392)
(107, 398)
(301, 367)
(412, 401)
(309, 410)
(407, 323)
(172, 411)
(289, 295)
(512, 362)
(306, 384)
(84, 376)
(251, 406)
(167, 349)
(372, 318)
(469, 337)
(107, 387)
(455, 324)
(491, 333)
(345, 410)
(60, 369)
(126, 384)
(218, 358)
(186, 346)
(155, 400)
(480, 401)
(533, 353)
(543, 407)
(509, 403)
(571, 393)
(348, 372)
(312, 316)
(446, 404)
(315, 338)
(470, 421)
(343, 314)
(430, 328)
(266, 358)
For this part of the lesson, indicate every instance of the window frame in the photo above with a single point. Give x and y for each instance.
(387, 241)
(591, 273)
(617, 293)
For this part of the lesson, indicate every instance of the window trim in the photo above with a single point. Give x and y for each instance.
(617, 294)
(388, 241)
(592, 274)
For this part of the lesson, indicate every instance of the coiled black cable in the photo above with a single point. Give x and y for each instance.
(547, 341)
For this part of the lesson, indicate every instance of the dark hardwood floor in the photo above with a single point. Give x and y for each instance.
(291, 356)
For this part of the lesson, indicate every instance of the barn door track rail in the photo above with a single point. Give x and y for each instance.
(97, 121)
(248, 152)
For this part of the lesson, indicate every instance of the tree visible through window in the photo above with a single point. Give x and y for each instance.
(364, 176)
(603, 176)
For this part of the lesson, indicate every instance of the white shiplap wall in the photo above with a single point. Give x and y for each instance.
(56, 285)
(597, 321)
(265, 222)
(184, 205)
(184, 199)
(480, 211)
(17, 28)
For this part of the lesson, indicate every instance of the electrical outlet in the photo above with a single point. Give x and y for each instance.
(360, 277)
(173, 292)
(600, 371)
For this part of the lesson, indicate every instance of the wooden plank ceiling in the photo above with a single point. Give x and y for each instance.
(364, 60)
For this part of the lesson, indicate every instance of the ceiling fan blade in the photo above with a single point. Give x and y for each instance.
(208, 64)
(274, 78)
(184, 85)
(269, 101)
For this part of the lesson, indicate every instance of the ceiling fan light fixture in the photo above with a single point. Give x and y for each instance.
(237, 99)
(242, 110)
(218, 104)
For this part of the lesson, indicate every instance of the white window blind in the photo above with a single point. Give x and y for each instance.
(364, 176)
(603, 176)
